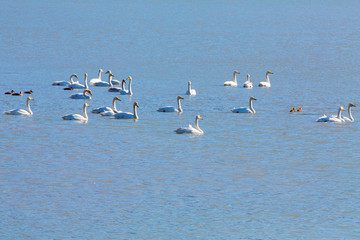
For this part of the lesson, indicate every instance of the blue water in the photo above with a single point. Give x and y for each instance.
(272, 175)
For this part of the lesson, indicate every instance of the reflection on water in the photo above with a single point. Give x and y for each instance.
(272, 175)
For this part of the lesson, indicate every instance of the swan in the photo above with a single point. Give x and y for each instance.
(11, 92)
(77, 116)
(18, 94)
(77, 85)
(29, 92)
(128, 115)
(190, 92)
(123, 82)
(267, 83)
(232, 83)
(65, 83)
(127, 92)
(98, 79)
(191, 130)
(105, 109)
(111, 87)
(250, 109)
(172, 109)
(21, 111)
(336, 119)
(113, 81)
(82, 95)
(350, 118)
(248, 84)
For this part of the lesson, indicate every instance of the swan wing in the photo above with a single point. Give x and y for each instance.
(241, 110)
(17, 112)
(75, 116)
(101, 109)
(264, 84)
(101, 84)
(230, 84)
(60, 83)
(168, 109)
(76, 85)
(124, 115)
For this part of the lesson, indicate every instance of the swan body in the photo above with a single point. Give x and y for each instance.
(172, 109)
(128, 115)
(267, 83)
(98, 79)
(232, 83)
(248, 84)
(191, 130)
(65, 83)
(105, 109)
(350, 118)
(114, 81)
(82, 95)
(21, 111)
(77, 85)
(111, 87)
(127, 92)
(10, 93)
(77, 116)
(190, 91)
(250, 109)
(18, 94)
(335, 119)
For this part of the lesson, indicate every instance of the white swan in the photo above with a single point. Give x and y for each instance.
(350, 118)
(65, 83)
(267, 83)
(172, 109)
(335, 119)
(77, 85)
(82, 95)
(190, 92)
(21, 111)
(232, 83)
(250, 109)
(77, 116)
(98, 79)
(104, 109)
(191, 130)
(114, 81)
(103, 83)
(128, 115)
(111, 87)
(123, 82)
(127, 92)
(248, 84)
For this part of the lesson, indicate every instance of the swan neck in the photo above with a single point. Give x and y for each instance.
(350, 115)
(28, 106)
(234, 78)
(114, 105)
(197, 125)
(179, 105)
(339, 113)
(135, 112)
(123, 86)
(86, 84)
(267, 78)
(99, 75)
(110, 81)
(71, 79)
(248, 79)
(189, 87)
(85, 113)
(251, 106)
(130, 91)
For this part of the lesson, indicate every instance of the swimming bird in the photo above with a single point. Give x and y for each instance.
(18, 94)
(172, 109)
(190, 91)
(267, 83)
(111, 87)
(248, 84)
(250, 109)
(128, 115)
(98, 79)
(77, 116)
(114, 81)
(293, 110)
(29, 92)
(335, 119)
(104, 109)
(65, 83)
(21, 111)
(68, 88)
(350, 118)
(10, 93)
(77, 85)
(191, 130)
(127, 92)
(299, 109)
(82, 95)
(232, 83)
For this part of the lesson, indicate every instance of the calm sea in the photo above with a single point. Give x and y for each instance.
(272, 175)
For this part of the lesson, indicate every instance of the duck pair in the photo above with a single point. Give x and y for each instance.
(12, 92)
(296, 109)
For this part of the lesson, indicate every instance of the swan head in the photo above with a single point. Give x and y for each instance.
(74, 75)
(111, 74)
(136, 104)
(30, 98)
(269, 72)
(180, 97)
(88, 91)
(130, 78)
(198, 117)
(351, 105)
(189, 83)
(108, 71)
(342, 108)
(86, 75)
(236, 72)
(86, 105)
(252, 98)
(123, 80)
(116, 99)
(101, 70)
